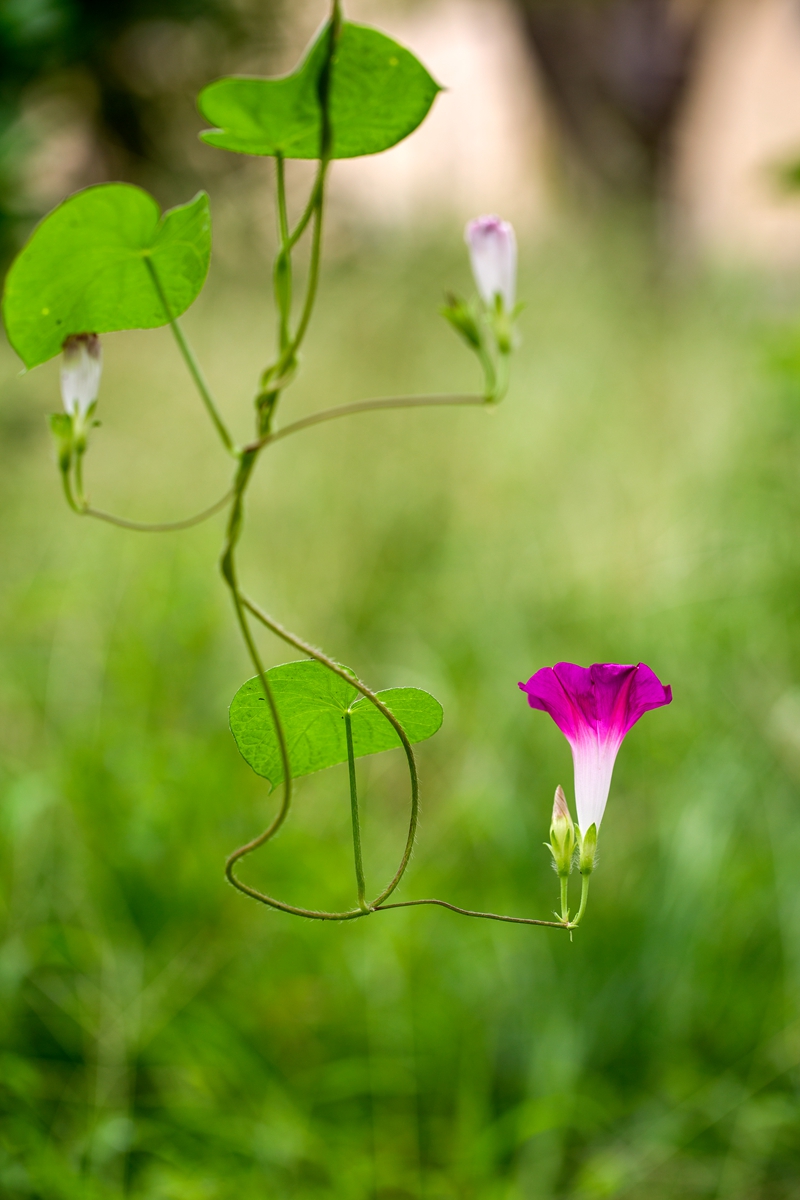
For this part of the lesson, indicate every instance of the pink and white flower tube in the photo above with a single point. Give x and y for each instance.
(80, 373)
(594, 707)
(493, 254)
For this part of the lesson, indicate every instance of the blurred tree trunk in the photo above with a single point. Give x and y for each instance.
(616, 72)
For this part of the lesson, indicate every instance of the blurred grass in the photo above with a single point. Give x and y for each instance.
(635, 498)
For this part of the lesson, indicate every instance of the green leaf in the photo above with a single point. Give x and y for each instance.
(379, 94)
(312, 701)
(83, 270)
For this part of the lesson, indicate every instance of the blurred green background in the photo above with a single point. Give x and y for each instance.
(636, 497)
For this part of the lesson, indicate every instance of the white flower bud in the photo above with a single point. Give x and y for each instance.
(80, 373)
(493, 253)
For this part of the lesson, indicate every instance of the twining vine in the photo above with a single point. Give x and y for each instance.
(107, 259)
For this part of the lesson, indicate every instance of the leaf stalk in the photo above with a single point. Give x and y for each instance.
(359, 863)
(190, 359)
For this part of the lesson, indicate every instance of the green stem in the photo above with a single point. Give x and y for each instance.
(193, 365)
(275, 377)
(283, 219)
(468, 912)
(79, 453)
(313, 278)
(489, 372)
(362, 406)
(68, 492)
(359, 865)
(162, 527)
(584, 898)
(283, 261)
(228, 567)
(501, 378)
(318, 196)
(308, 212)
(564, 879)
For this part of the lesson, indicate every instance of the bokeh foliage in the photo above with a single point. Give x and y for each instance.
(82, 50)
(636, 497)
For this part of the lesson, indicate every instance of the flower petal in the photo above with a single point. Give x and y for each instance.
(545, 691)
(646, 693)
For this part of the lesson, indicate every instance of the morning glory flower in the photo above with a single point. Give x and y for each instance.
(594, 707)
(80, 373)
(493, 253)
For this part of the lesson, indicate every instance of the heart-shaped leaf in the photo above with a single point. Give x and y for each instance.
(84, 270)
(312, 701)
(379, 94)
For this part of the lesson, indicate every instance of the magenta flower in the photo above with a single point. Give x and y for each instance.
(594, 707)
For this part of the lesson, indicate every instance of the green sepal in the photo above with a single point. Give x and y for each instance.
(587, 850)
(502, 324)
(85, 421)
(311, 702)
(84, 270)
(379, 94)
(554, 857)
(61, 425)
(464, 319)
(62, 429)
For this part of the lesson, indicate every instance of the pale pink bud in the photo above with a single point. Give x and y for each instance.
(562, 834)
(493, 253)
(80, 373)
(560, 806)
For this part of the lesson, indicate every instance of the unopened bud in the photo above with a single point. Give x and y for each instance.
(80, 373)
(562, 834)
(588, 850)
(493, 255)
